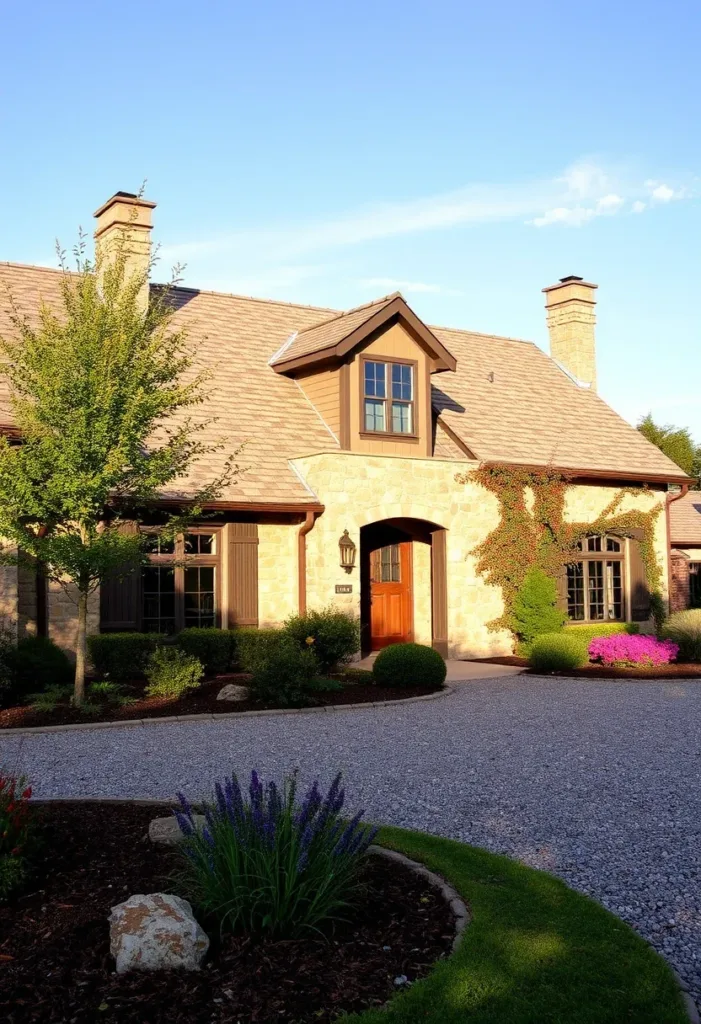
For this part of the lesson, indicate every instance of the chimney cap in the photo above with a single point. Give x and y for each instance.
(131, 198)
(570, 280)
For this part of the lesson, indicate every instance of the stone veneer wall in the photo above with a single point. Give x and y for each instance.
(277, 572)
(359, 489)
(26, 601)
(63, 615)
(8, 597)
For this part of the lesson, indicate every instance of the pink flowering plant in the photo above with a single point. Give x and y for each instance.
(621, 650)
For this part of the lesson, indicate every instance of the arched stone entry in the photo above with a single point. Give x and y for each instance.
(403, 584)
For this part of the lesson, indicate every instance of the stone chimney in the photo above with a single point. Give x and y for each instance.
(570, 314)
(125, 219)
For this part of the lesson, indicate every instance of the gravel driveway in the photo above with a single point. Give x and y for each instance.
(596, 781)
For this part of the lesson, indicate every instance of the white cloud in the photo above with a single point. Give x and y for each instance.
(663, 193)
(391, 284)
(581, 193)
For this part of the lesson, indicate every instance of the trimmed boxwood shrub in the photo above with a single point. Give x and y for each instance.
(212, 646)
(38, 663)
(121, 656)
(331, 634)
(409, 665)
(551, 652)
(684, 629)
(587, 633)
(251, 646)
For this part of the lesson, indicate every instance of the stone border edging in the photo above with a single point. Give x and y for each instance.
(211, 717)
(451, 896)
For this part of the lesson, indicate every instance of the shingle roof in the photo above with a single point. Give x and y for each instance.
(531, 412)
(510, 402)
(331, 330)
(685, 519)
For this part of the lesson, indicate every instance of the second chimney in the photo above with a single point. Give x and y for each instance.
(570, 314)
(125, 219)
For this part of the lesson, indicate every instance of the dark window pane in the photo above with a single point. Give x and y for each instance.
(612, 545)
(192, 579)
(167, 580)
(151, 605)
(614, 587)
(401, 382)
(150, 579)
(207, 577)
(207, 545)
(575, 591)
(594, 544)
(595, 578)
(375, 380)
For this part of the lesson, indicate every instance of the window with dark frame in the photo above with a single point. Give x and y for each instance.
(595, 584)
(388, 397)
(179, 585)
(695, 584)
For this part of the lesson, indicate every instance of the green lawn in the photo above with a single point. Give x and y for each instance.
(535, 952)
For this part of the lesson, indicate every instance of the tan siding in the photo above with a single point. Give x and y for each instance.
(394, 343)
(322, 390)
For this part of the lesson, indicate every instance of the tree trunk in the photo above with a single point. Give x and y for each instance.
(79, 688)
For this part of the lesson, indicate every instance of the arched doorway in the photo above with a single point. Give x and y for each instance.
(403, 584)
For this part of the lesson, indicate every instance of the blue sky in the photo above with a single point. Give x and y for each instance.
(328, 153)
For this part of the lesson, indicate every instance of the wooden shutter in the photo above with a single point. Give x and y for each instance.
(561, 583)
(119, 598)
(439, 592)
(243, 574)
(638, 588)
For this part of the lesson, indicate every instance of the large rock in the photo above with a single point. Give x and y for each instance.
(166, 831)
(156, 932)
(234, 692)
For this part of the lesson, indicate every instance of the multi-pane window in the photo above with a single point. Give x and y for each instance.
(595, 589)
(388, 397)
(695, 584)
(179, 586)
(385, 565)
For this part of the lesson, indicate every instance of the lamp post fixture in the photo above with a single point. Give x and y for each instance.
(348, 551)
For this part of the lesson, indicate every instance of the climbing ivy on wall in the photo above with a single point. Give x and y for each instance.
(532, 530)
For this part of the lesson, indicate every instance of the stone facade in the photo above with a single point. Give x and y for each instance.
(277, 573)
(360, 489)
(63, 615)
(679, 596)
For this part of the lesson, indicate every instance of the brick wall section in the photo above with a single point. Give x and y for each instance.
(679, 597)
(26, 601)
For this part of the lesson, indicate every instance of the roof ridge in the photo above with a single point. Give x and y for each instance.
(244, 298)
(35, 266)
(355, 309)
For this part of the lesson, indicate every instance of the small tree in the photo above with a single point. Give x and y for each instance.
(676, 443)
(535, 607)
(94, 387)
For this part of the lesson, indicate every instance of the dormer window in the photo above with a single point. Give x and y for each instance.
(388, 397)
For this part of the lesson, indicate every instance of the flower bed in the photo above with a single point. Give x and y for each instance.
(54, 941)
(356, 687)
(624, 651)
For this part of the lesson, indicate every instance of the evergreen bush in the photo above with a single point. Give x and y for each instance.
(171, 673)
(333, 635)
(212, 646)
(403, 665)
(121, 656)
(552, 652)
(535, 608)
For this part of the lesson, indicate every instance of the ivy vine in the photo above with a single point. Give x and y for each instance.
(534, 533)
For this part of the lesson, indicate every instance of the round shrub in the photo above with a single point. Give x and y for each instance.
(409, 665)
(331, 634)
(252, 646)
(684, 629)
(552, 652)
(284, 675)
(212, 646)
(39, 663)
(171, 673)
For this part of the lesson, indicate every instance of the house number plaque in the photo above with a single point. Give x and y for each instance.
(344, 588)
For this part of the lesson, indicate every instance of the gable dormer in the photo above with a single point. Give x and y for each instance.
(368, 373)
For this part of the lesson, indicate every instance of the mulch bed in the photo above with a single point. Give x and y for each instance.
(55, 964)
(684, 670)
(197, 702)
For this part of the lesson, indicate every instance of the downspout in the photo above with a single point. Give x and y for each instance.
(306, 527)
(671, 497)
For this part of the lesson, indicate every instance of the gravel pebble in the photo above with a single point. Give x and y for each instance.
(597, 781)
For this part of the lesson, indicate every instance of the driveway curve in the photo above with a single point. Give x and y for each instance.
(597, 781)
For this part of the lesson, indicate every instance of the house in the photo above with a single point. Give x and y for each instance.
(685, 540)
(361, 429)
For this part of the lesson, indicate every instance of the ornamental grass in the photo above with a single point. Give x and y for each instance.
(266, 864)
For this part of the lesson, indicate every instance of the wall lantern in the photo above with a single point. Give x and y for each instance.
(347, 549)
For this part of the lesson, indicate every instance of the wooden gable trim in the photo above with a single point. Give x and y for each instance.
(395, 311)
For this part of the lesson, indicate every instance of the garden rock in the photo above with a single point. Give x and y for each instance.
(233, 692)
(156, 932)
(166, 831)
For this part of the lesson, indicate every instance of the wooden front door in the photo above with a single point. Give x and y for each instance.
(391, 618)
